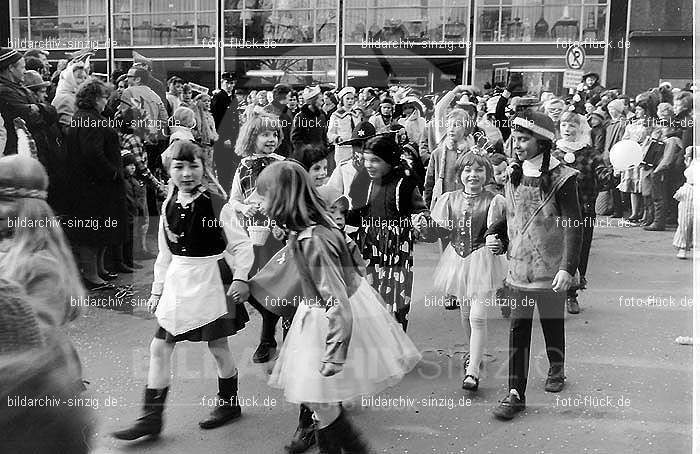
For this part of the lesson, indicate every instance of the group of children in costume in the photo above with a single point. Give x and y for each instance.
(351, 289)
(355, 291)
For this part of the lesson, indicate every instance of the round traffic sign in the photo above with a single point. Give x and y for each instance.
(575, 57)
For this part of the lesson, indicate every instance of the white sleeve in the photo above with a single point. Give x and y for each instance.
(497, 210)
(441, 109)
(162, 261)
(440, 211)
(239, 248)
(3, 136)
(333, 128)
(237, 199)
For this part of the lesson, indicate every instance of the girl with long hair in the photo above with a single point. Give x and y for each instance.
(256, 144)
(35, 254)
(331, 353)
(544, 233)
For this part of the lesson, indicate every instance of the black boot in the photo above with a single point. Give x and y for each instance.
(326, 443)
(227, 408)
(342, 434)
(151, 422)
(304, 437)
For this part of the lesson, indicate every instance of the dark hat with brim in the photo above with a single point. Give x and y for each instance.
(33, 80)
(229, 76)
(365, 130)
(591, 74)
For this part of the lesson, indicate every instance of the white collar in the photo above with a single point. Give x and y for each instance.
(531, 168)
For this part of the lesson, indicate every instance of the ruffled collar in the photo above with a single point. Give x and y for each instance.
(571, 147)
(531, 167)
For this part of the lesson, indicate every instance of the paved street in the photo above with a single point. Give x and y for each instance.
(628, 389)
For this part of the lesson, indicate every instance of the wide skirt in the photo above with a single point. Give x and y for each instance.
(379, 353)
(464, 277)
(631, 180)
(389, 250)
(225, 326)
(683, 238)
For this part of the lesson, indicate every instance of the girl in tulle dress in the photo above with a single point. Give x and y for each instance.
(683, 238)
(468, 269)
(342, 342)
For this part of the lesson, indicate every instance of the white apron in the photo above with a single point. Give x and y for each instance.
(193, 294)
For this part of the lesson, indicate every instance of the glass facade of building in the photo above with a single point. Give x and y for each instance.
(540, 20)
(299, 41)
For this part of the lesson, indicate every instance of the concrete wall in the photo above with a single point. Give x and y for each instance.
(660, 36)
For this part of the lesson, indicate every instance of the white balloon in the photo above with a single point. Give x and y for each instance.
(625, 154)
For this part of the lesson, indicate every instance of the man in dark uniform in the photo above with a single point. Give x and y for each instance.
(224, 108)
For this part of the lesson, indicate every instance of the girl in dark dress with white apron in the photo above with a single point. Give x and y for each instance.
(201, 246)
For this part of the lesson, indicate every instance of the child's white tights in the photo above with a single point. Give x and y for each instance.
(474, 320)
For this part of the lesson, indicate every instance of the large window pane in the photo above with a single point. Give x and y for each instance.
(326, 26)
(73, 28)
(144, 32)
(594, 23)
(19, 8)
(233, 25)
(51, 7)
(258, 25)
(355, 28)
(122, 6)
(295, 72)
(96, 6)
(457, 19)
(289, 26)
(487, 25)
(98, 30)
(20, 28)
(529, 20)
(122, 30)
(45, 28)
(206, 26)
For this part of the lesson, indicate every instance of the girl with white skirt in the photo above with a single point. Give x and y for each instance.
(342, 343)
(468, 269)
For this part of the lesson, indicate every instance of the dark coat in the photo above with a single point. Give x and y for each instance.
(598, 138)
(17, 101)
(275, 108)
(224, 109)
(97, 182)
(309, 127)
